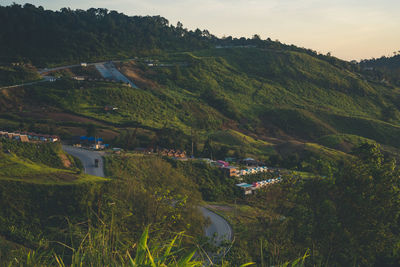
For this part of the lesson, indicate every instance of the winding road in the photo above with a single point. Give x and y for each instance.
(87, 158)
(45, 79)
(219, 229)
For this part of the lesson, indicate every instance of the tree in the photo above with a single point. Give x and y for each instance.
(368, 203)
(362, 210)
(208, 150)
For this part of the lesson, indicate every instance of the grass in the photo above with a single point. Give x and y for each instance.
(239, 214)
(326, 152)
(343, 141)
(304, 175)
(238, 141)
(15, 168)
(100, 247)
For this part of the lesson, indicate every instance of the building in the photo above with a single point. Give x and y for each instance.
(29, 137)
(249, 162)
(173, 153)
(78, 78)
(251, 188)
(24, 138)
(247, 188)
(230, 171)
(110, 108)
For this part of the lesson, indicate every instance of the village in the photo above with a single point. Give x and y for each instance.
(249, 165)
(252, 166)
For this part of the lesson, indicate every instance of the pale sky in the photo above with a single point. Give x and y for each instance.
(349, 29)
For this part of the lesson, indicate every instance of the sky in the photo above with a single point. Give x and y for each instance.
(348, 29)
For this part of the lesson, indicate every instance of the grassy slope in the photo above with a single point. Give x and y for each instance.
(284, 92)
(39, 163)
(18, 169)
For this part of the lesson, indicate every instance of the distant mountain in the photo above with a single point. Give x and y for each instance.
(384, 68)
(43, 37)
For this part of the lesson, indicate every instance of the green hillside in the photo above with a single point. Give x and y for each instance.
(262, 96)
(266, 92)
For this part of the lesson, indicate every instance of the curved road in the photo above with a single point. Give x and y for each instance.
(87, 158)
(219, 228)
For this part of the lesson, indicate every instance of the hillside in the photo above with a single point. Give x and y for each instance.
(258, 97)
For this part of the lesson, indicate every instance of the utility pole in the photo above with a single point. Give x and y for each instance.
(191, 133)
(235, 210)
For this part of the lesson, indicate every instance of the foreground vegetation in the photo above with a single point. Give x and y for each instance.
(350, 218)
(45, 221)
(99, 249)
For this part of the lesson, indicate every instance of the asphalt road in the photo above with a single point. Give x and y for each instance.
(218, 228)
(87, 158)
(47, 70)
(45, 79)
(106, 69)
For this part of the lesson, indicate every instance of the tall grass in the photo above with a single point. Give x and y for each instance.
(101, 247)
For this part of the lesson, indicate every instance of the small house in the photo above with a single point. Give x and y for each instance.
(110, 108)
(249, 162)
(230, 171)
(247, 188)
(24, 138)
